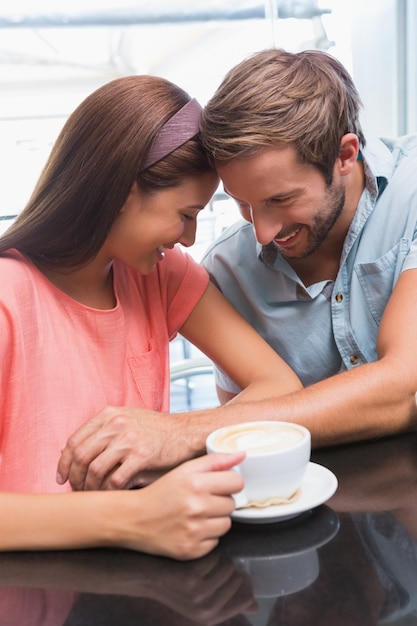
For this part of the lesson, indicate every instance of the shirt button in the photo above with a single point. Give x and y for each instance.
(338, 297)
(354, 359)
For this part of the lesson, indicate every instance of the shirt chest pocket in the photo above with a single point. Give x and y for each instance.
(149, 378)
(378, 278)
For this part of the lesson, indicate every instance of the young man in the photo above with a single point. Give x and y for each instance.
(324, 265)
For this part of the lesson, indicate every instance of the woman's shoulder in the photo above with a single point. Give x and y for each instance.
(17, 274)
(179, 271)
(15, 262)
(177, 275)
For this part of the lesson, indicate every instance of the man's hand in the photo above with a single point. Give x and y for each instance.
(121, 448)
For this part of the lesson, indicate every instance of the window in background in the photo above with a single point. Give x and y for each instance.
(383, 55)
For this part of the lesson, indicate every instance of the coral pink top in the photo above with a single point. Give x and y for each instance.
(61, 361)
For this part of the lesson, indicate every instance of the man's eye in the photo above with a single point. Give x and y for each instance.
(189, 218)
(281, 200)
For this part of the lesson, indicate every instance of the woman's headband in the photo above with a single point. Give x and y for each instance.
(175, 132)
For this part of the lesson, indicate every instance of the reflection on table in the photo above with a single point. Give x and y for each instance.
(350, 562)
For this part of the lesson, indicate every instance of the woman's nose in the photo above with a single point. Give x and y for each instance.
(188, 237)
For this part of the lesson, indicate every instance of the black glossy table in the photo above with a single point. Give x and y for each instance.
(349, 562)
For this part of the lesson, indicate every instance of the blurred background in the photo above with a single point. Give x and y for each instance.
(53, 53)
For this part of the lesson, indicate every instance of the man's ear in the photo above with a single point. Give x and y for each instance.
(348, 154)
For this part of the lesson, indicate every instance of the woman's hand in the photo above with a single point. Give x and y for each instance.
(183, 513)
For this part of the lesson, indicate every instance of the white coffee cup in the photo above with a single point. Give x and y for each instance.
(277, 457)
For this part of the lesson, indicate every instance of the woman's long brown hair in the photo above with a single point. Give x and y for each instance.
(95, 160)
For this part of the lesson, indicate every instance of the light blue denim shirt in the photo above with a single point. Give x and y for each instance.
(329, 326)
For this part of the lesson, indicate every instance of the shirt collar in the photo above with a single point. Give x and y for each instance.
(379, 162)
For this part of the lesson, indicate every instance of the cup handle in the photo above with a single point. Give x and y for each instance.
(240, 497)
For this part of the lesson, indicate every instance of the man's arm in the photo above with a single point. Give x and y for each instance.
(371, 400)
(375, 399)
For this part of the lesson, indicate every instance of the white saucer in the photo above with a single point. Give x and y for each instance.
(319, 484)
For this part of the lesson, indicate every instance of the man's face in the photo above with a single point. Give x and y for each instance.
(287, 202)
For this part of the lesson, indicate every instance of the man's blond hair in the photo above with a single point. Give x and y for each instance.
(277, 98)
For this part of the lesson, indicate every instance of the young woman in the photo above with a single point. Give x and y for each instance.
(93, 288)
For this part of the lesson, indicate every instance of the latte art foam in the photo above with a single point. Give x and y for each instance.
(258, 439)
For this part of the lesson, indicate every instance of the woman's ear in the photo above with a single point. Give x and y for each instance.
(133, 190)
(348, 154)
